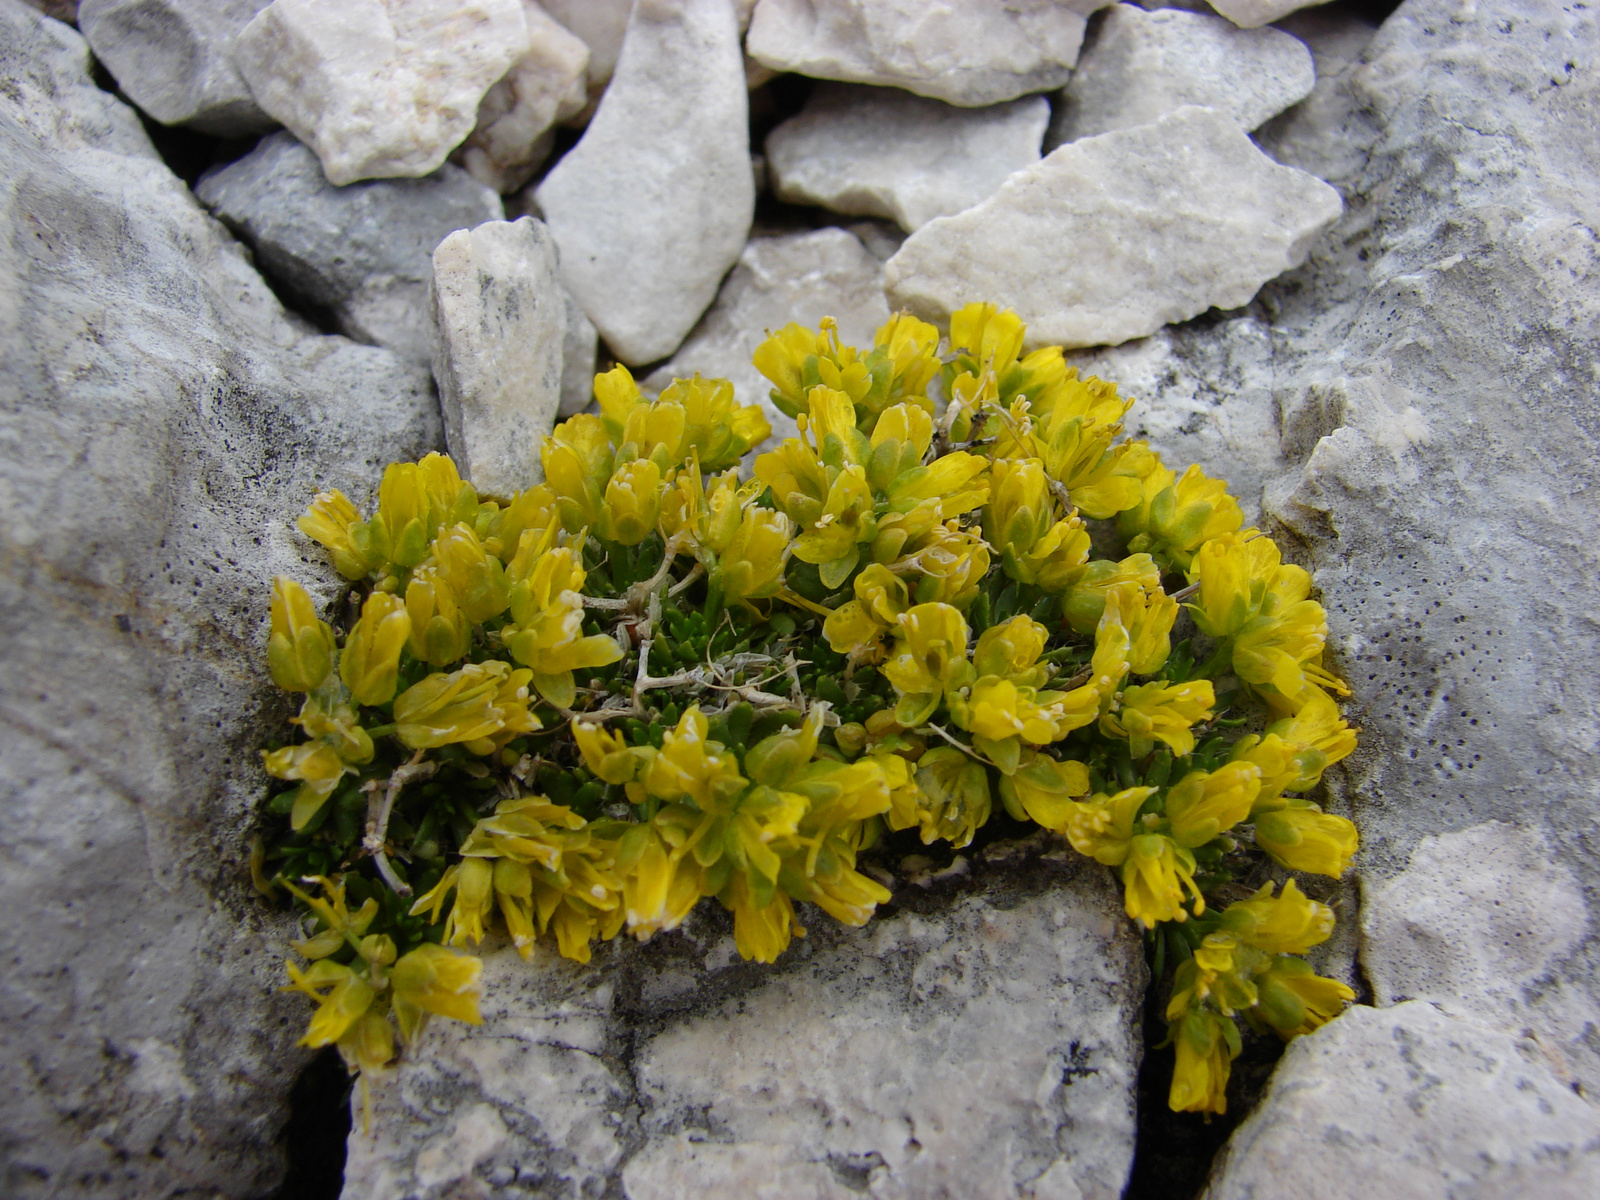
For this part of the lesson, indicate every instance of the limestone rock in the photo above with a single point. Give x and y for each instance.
(980, 1042)
(578, 350)
(652, 207)
(61, 10)
(514, 135)
(379, 88)
(966, 52)
(1111, 237)
(792, 277)
(1408, 1101)
(601, 24)
(1329, 132)
(364, 252)
(880, 152)
(174, 58)
(162, 422)
(1143, 65)
(502, 319)
(1249, 14)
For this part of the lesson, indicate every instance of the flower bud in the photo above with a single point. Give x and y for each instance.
(300, 647)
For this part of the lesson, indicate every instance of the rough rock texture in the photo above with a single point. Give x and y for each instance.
(1408, 1101)
(981, 1042)
(793, 277)
(514, 134)
(174, 59)
(652, 207)
(1329, 133)
(967, 52)
(1142, 65)
(363, 253)
(379, 88)
(1203, 394)
(601, 24)
(1249, 14)
(502, 317)
(1111, 237)
(161, 423)
(880, 152)
(577, 360)
(61, 10)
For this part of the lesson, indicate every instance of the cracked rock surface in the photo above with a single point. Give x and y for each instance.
(161, 420)
(979, 1042)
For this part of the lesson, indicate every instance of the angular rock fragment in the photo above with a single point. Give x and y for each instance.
(162, 422)
(981, 1042)
(1143, 65)
(881, 152)
(794, 277)
(1111, 237)
(577, 359)
(513, 135)
(1330, 131)
(174, 59)
(1408, 1101)
(379, 88)
(601, 24)
(364, 252)
(1250, 14)
(652, 207)
(966, 52)
(502, 317)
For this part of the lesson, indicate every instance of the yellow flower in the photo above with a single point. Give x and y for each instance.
(1159, 712)
(1149, 616)
(1084, 601)
(513, 891)
(341, 927)
(331, 521)
(472, 880)
(899, 441)
(760, 930)
(468, 705)
(299, 647)
(1101, 827)
(997, 708)
(414, 499)
(1294, 752)
(1296, 1000)
(369, 665)
(632, 503)
(1206, 1043)
(431, 979)
(750, 566)
(930, 655)
(332, 721)
(477, 579)
(342, 997)
(693, 418)
(951, 561)
(689, 764)
(319, 768)
(1178, 515)
(1154, 876)
(953, 800)
(1289, 923)
(1044, 790)
(440, 631)
(1308, 839)
(577, 459)
(528, 829)
(658, 887)
(1274, 648)
(546, 633)
(1204, 804)
(797, 359)
(533, 509)
(1239, 574)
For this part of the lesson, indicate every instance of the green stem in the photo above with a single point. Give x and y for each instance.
(1221, 657)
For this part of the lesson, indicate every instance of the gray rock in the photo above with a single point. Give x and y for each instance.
(1249, 14)
(1330, 132)
(61, 10)
(578, 352)
(1408, 1101)
(162, 422)
(514, 132)
(1142, 65)
(1109, 238)
(379, 88)
(880, 152)
(1203, 394)
(966, 52)
(792, 277)
(174, 59)
(980, 1042)
(364, 252)
(501, 318)
(652, 207)
(601, 24)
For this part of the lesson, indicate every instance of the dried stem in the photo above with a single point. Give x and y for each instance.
(379, 811)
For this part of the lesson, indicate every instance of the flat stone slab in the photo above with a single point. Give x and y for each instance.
(982, 1041)
(967, 52)
(1143, 65)
(881, 152)
(1112, 237)
(1408, 1101)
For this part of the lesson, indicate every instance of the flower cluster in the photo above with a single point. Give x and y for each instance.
(650, 680)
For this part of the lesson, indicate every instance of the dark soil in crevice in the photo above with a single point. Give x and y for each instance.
(319, 1126)
(1173, 1152)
